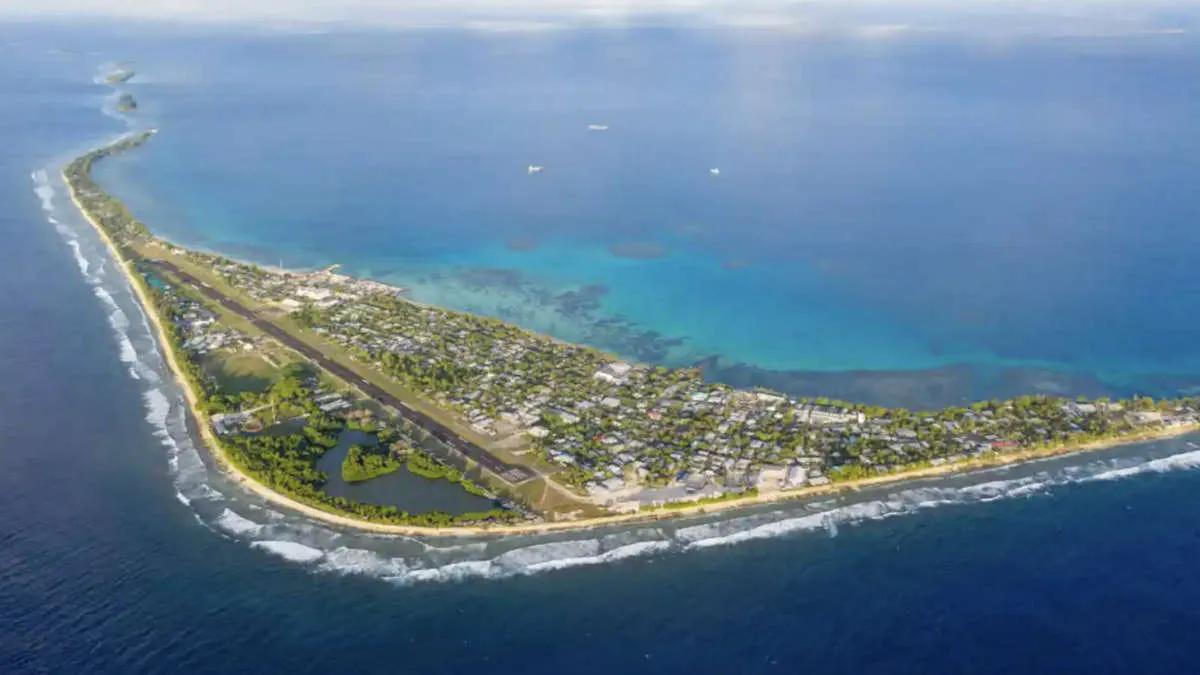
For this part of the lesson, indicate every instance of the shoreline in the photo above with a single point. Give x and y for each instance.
(248, 482)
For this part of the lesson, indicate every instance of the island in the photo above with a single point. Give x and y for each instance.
(362, 464)
(277, 363)
(126, 103)
(119, 75)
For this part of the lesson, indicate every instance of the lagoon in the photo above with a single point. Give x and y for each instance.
(400, 488)
(917, 222)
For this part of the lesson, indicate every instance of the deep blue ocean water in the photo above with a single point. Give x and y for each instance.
(122, 552)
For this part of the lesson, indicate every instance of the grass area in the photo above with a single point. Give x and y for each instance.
(545, 498)
(241, 372)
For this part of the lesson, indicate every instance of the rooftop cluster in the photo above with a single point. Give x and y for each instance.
(631, 435)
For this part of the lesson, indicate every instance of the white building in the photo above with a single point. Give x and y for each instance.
(822, 415)
(616, 372)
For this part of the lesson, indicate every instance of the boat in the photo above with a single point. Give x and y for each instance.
(534, 168)
(597, 127)
(715, 171)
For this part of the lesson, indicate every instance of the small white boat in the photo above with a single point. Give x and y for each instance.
(597, 127)
(534, 168)
(714, 171)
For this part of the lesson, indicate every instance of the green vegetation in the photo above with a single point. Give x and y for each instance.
(421, 463)
(237, 373)
(287, 464)
(126, 103)
(108, 211)
(284, 462)
(363, 464)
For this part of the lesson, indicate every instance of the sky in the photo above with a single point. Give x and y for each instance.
(865, 18)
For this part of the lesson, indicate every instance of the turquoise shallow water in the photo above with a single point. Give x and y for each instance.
(918, 222)
(976, 224)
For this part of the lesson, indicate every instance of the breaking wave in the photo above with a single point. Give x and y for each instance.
(290, 550)
(236, 524)
(79, 259)
(1184, 460)
(43, 189)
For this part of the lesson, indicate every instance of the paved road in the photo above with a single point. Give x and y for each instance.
(509, 472)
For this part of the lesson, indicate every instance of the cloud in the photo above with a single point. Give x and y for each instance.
(864, 19)
(882, 31)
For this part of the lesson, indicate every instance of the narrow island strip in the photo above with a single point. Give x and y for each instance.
(276, 364)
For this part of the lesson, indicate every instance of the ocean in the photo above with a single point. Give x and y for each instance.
(916, 223)
(122, 550)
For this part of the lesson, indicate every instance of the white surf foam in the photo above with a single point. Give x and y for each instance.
(43, 189)
(117, 317)
(905, 502)
(468, 569)
(343, 560)
(475, 547)
(1181, 461)
(911, 501)
(237, 524)
(206, 491)
(189, 472)
(1002, 489)
(290, 550)
(538, 554)
(126, 352)
(874, 510)
(636, 550)
(79, 259)
(535, 559)
(157, 408)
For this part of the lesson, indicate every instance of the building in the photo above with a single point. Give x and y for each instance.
(823, 415)
(771, 478)
(616, 372)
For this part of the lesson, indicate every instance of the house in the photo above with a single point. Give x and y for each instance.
(769, 399)
(616, 372)
(227, 423)
(771, 478)
(334, 405)
(796, 475)
(1079, 409)
(314, 294)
